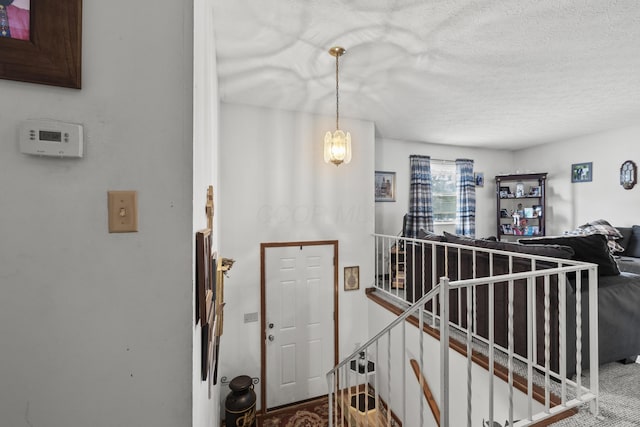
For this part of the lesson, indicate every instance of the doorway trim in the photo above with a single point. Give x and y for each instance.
(263, 307)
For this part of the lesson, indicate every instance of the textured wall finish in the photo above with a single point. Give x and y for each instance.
(496, 74)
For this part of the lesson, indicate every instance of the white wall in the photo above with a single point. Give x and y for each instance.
(206, 408)
(96, 328)
(393, 156)
(572, 204)
(277, 188)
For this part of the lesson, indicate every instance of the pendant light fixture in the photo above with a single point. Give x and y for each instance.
(337, 146)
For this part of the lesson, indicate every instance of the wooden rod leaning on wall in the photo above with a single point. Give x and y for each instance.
(431, 401)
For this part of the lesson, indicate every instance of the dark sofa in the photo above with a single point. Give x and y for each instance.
(618, 299)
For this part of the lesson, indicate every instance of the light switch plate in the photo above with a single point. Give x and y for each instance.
(123, 211)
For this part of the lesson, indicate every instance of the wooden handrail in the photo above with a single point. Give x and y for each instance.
(431, 401)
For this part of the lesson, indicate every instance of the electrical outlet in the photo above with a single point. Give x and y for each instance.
(123, 211)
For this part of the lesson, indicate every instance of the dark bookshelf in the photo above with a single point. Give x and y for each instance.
(521, 207)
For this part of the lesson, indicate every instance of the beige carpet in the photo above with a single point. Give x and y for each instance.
(619, 399)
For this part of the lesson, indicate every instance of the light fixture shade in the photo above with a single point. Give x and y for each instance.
(337, 147)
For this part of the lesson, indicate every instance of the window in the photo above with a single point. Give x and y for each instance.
(443, 181)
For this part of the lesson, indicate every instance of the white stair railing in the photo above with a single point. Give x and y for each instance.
(470, 305)
(342, 390)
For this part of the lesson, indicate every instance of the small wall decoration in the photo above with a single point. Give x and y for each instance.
(51, 54)
(203, 274)
(479, 178)
(628, 175)
(582, 172)
(385, 186)
(351, 278)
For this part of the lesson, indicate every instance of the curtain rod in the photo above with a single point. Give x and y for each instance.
(451, 161)
(440, 160)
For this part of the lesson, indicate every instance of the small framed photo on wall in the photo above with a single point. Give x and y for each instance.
(582, 172)
(351, 278)
(385, 186)
(479, 179)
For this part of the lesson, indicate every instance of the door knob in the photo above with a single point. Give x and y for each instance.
(271, 337)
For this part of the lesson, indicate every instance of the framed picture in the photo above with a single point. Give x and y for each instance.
(582, 172)
(51, 54)
(385, 186)
(534, 191)
(537, 211)
(204, 350)
(479, 178)
(203, 274)
(505, 192)
(351, 278)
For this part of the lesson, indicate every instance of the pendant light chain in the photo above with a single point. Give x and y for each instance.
(337, 96)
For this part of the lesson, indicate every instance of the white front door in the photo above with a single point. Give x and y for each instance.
(299, 300)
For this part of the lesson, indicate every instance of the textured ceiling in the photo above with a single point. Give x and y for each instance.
(474, 73)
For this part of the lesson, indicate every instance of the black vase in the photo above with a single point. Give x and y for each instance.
(240, 405)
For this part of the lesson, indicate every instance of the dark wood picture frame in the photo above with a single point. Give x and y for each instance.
(204, 368)
(53, 55)
(203, 274)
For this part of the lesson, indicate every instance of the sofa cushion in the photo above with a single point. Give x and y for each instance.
(628, 264)
(588, 248)
(626, 236)
(552, 251)
(633, 247)
(429, 235)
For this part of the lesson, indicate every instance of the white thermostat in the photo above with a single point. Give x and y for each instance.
(51, 138)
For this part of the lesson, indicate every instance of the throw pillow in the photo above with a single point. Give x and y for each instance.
(603, 227)
(588, 248)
